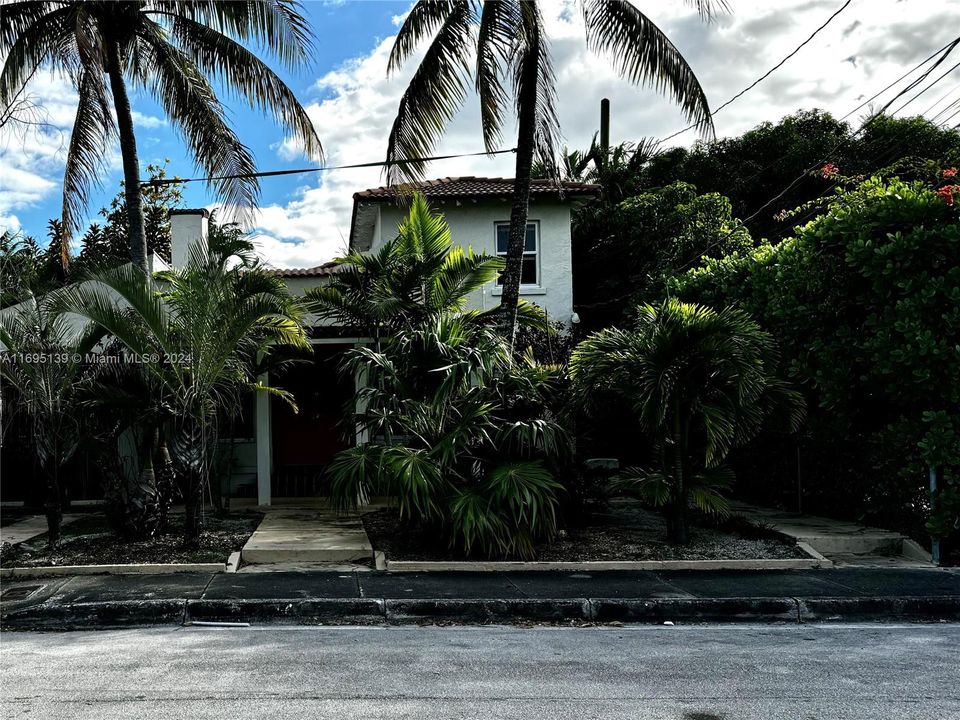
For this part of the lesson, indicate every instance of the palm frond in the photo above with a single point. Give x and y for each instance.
(436, 91)
(645, 55)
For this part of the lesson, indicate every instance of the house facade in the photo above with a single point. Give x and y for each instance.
(287, 452)
(276, 452)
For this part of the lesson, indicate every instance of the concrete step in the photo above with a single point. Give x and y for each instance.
(870, 560)
(842, 542)
(298, 535)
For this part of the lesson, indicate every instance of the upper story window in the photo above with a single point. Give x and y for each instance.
(530, 270)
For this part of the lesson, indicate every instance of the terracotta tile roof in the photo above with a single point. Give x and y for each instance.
(472, 186)
(328, 268)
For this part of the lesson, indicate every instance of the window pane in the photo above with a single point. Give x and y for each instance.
(528, 273)
(503, 233)
(531, 239)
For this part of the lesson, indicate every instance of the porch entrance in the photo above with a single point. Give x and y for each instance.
(304, 442)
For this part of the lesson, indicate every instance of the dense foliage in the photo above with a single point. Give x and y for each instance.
(411, 279)
(459, 434)
(634, 245)
(199, 335)
(700, 382)
(865, 302)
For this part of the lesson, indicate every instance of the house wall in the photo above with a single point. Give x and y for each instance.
(473, 224)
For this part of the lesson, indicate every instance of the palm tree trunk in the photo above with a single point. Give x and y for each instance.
(677, 512)
(193, 518)
(527, 123)
(53, 507)
(131, 163)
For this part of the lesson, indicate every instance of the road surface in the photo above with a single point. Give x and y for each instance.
(734, 672)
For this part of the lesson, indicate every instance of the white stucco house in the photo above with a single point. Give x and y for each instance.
(285, 453)
(278, 453)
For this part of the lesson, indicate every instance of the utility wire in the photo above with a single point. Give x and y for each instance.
(894, 112)
(276, 173)
(943, 52)
(767, 74)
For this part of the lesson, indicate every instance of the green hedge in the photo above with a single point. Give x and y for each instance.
(865, 302)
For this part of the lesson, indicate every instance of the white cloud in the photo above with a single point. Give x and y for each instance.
(33, 150)
(359, 102)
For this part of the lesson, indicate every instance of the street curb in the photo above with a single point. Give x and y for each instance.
(376, 611)
(345, 611)
(694, 610)
(96, 615)
(487, 611)
(879, 608)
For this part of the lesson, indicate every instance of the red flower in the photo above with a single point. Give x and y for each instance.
(947, 191)
(950, 172)
(829, 171)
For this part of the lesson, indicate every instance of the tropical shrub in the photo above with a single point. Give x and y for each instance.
(200, 334)
(42, 364)
(458, 434)
(410, 280)
(700, 382)
(865, 301)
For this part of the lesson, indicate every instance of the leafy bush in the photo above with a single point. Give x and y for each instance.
(865, 302)
(700, 383)
(624, 252)
(458, 434)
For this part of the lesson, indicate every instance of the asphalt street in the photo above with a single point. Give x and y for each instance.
(733, 672)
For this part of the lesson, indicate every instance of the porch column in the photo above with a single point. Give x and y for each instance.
(264, 446)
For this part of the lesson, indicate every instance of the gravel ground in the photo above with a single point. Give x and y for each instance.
(625, 532)
(88, 541)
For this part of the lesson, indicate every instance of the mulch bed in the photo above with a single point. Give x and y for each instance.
(89, 541)
(624, 532)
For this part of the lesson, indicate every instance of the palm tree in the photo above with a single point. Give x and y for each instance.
(412, 279)
(173, 50)
(43, 364)
(701, 383)
(201, 336)
(507, 44)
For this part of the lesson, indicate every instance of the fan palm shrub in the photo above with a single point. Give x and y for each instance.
(458, 434)
(42, 364)
(700, 382)
(174, 51)
(200, 336)
(502, 48)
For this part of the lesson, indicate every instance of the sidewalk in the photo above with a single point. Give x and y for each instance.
(850, 594)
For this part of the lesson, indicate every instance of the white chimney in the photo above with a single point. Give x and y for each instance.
(187, 227)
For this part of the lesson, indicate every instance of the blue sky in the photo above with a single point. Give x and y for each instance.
(343, 31)
(303, 220)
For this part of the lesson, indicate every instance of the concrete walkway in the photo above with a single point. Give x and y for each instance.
(29, 527)
(845, 544)
(301, 536)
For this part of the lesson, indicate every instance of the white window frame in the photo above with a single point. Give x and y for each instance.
(535, 252)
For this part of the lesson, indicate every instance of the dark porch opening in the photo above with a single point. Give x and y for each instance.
(305, 442)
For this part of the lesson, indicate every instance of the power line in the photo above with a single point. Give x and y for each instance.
(943, 52)
(767, 74)
(325, 168)
(925, 89)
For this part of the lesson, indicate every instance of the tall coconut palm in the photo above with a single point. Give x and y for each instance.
(506, 43)
(201, 335)
(701, 383)
(174, 51)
